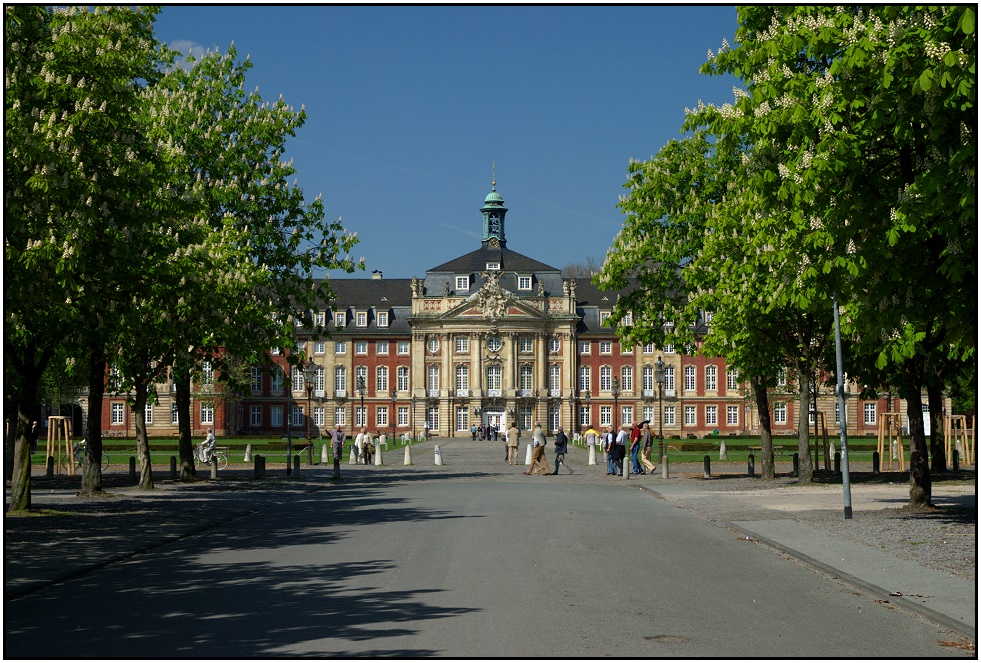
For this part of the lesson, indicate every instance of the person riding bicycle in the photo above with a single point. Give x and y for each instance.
(207, 448)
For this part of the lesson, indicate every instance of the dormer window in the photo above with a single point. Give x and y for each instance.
(362, 319)
(463, 283)
(604, 318)
(524, 283)
(493, 267)
(340, 319)
(381, 318)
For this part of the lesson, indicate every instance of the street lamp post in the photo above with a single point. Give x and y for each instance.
(395, 395)
(361, 391)
(659, 378)
(309, 374)
(615, 390)
(289, 425)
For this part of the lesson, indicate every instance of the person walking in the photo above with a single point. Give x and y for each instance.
(539, 463)
(358, 446)
(647, 440)
(608, 449)
(337, 442)
(367, 447)
(473, 433)
(513, 436)
(622, 438)
(634, 450)
(561, 449)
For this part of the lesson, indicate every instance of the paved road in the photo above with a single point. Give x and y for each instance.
(469, 559)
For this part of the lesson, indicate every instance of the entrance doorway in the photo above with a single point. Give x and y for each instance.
(495, 417)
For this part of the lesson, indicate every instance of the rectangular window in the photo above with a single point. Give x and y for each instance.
(554, 413)
(381, 318)
(606, 378)
(255, 379)
(381, 379)
(381, 347)
(780, 413)
(689, 415)
(604, 318)
(732, 415)
(173, 413)
(711, 378)
(319, 347)
(402, 378)
(584, 378)
(403, 414)
(669, 380)
(584, 347)
(462, 417)
(669, 415)
(689, 378)
(276, 416)
(148, 414)
(255, 416)
(624, 350)
(711, 415)
(340, 378)
(584, 415)
(626, 415)
(297, 416)
(524, 417)
(298, 382)
(319, 416)
(381, 415)
(648, 348)
(462, 344)
(319, 319)
(732, 379)
(524, 345)
(361, 347)
(524, 283)
(462, 378)
(525, 378)
(403, 347)
(782, 378)
(362, 319)
(649, 413)
(207, 414)
(463, 283)
(207, 374)
(340, 319)
(493, 267)
(870, 413)
(361, 378)
(606, 347)
(340, 347)
(606, 415)
(432, 380)
(554, 379)
(319, 381)
(360, 419)
(627, 378)
(494, 378)
(432, 418)
(340, 416)
(837, 412)
(668, 349)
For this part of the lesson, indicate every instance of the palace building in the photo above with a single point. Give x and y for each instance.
(489, 337)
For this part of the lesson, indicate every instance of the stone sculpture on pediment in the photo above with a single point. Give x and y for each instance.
(492, 299)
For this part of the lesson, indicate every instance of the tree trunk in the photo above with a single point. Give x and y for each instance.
(803, 434)
(10, 416)
(182, 398)
(20, 478)
(142, 442)
(92, 464)
(766, 433)
(938, 443)
(920, 485)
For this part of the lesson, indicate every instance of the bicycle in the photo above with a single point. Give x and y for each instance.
(77, 457)
(221, 453)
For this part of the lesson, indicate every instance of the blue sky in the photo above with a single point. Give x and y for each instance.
(408, 107)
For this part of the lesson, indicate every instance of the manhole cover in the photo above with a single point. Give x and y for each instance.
(668, 639)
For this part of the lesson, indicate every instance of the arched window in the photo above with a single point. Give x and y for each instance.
(689, 378)
(585, 378)
(711, 378)
(340, 378)
(627, 378)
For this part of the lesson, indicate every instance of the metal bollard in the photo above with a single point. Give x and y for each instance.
(50, 469)
(257, 459)
(837, 463)
(214, 466)
(796, 471)
(956, 459)
(173, 467)
(296, 464)
(707, 466)
(875, 462)
(751, 465)
(132, 468)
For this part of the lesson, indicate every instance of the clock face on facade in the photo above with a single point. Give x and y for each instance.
(494, 243)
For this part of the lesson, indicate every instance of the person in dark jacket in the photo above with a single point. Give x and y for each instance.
(561, 449)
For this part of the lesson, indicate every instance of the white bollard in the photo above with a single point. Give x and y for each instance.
(324, 457)
(528, 455)
(408, 455)
(592, 454)
(382, 441)
(352, 457)
(378, 454)
(439, 456)
(722, 451)
(248, 454)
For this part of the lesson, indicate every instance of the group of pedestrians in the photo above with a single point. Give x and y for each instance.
(637, 440)
(484, 432)
(539, 464)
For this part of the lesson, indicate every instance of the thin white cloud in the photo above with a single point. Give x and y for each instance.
(187, 47)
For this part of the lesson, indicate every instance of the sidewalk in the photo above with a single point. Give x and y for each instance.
(924, 563)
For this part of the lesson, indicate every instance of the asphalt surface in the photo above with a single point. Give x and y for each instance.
(73, 537)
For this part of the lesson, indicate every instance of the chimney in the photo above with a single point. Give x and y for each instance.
(376, 275)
